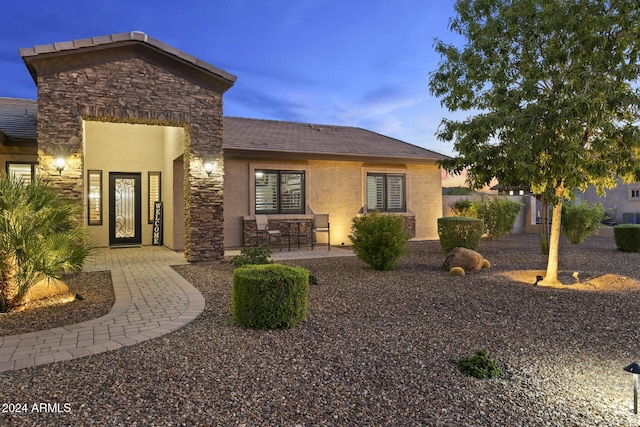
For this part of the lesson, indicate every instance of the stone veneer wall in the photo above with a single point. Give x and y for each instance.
(250, 237)
(126, 88)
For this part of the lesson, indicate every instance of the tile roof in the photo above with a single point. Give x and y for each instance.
(123, 38)
(312, 139)
(18, 121)
(18, 118)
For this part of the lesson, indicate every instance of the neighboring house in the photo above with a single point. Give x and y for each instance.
(124, 121)
(621, 203)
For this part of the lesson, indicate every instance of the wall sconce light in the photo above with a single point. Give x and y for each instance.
(208, 168)
(59, 163)
(634, 368)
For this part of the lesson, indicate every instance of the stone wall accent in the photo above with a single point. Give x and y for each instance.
(280, 223)
(128, 86)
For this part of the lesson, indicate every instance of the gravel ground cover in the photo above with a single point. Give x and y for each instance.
(377, 349)
(94, 287)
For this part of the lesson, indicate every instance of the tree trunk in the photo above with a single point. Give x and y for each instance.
(551, 276)
(9, 288)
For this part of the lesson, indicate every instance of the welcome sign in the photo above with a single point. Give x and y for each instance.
(157, 224)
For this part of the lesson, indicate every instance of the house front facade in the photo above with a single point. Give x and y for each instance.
(133, 129)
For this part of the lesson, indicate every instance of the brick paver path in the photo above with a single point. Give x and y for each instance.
(150, 300)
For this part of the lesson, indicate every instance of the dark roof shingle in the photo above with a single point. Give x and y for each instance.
(312, 139)
(18, 118)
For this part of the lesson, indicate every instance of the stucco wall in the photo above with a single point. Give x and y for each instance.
(120, 147)
(132, 85)
(333, 187)
(617, 201)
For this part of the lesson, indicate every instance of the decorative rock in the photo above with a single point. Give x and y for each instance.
(465, 258)
(44, 289)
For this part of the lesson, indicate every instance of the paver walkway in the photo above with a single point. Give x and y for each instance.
(151, 300)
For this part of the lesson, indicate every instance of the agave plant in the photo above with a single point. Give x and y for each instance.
(41, 237)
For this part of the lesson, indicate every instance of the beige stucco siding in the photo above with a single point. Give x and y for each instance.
(120, 147)
(334, 187)
(424, 198)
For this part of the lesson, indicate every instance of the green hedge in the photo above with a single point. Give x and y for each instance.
(269, 296)
(460, 231)
(627, 237)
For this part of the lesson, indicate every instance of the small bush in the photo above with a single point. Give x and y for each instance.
(579, 221)
(498, 215)
(254, 255)
(456, 271)
(627, 237)
(269, 296)
(486, 263)
(480, 366)
(458, 231)
(466, 207)
(379, 240)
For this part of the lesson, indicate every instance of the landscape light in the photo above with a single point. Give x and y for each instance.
(634, 368)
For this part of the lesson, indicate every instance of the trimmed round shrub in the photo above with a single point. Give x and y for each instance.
(269, 296)
(627, 237)
(456, 271)
(486, 263)
(379, 240)
(460, 231)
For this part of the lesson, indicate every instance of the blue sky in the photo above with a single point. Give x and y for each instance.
(343, 62)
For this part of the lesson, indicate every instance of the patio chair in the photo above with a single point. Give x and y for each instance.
(320, 225)
(262, 228)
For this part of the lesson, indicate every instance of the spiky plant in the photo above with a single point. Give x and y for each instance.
(40, 237)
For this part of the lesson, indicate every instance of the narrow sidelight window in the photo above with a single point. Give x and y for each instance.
(94, 197)
(154, 193)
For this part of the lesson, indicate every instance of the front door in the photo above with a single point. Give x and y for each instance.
(124, 209)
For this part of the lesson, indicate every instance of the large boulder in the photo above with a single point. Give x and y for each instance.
(465, 258)
(44, 288)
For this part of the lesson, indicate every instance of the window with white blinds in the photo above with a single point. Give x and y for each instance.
(26, 172)
(386, 192)
(279, 191)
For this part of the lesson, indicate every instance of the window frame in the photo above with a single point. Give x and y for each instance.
(279, 177)
(33, 165)
(635, 196)
(385, 191)
(98, 221)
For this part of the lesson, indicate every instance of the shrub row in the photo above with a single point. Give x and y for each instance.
(627, 237)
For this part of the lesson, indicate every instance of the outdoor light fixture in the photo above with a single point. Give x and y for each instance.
(59, 163)
(634, 368)
(208, 168)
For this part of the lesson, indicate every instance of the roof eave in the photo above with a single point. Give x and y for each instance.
(238, 152)
(116, 41)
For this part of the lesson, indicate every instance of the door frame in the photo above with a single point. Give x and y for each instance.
(137, 227)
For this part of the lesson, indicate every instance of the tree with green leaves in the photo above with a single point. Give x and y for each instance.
(549, 89)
